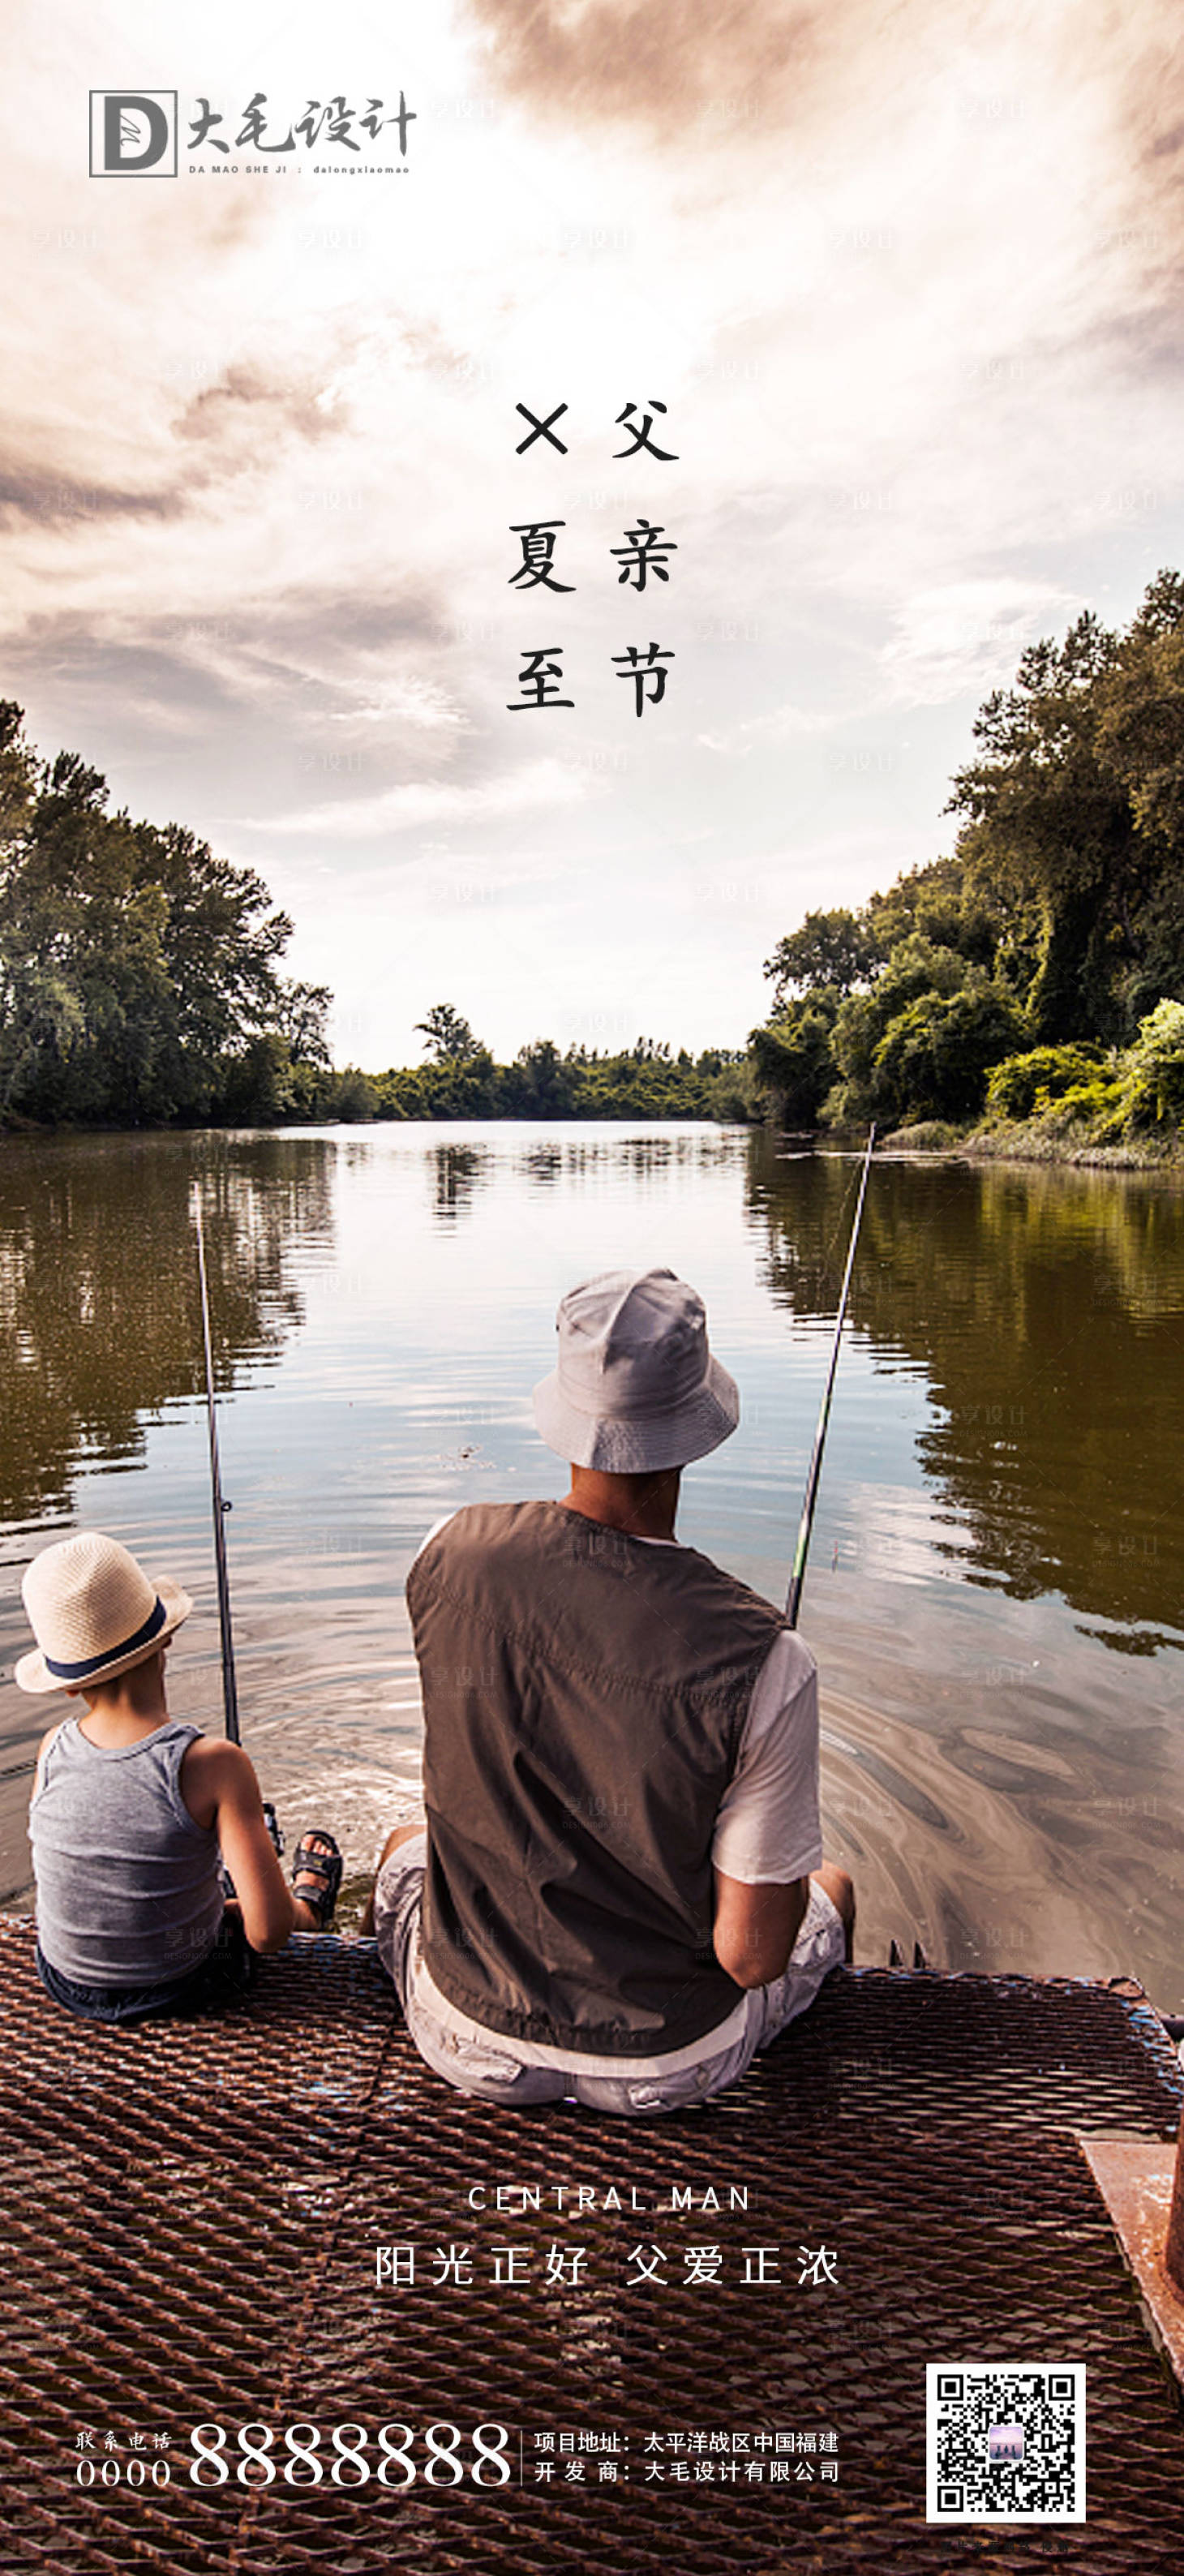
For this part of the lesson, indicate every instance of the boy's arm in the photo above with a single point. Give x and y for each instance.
(220, 1790)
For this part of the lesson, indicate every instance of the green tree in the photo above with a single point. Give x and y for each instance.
(1152, 1071)
(915, 969)
(833, 951)
(82, 929)
(1018, 1083)
(352, 1096)
(448, 1035)
(460, 1086)
(793, 1058)
(1058, 919)
(138, 972)
(1074, 816)
(938, 902)
(1141, 714)
(933, 1058)
(1141, 737)
(540, 1083)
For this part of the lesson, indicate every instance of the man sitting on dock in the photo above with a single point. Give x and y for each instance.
(615, 1894)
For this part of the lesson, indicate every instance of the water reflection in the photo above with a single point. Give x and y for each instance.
(1043, 1309)
(505, 1149)
(457, 1171)
(1007, 1436)
(99, 1315)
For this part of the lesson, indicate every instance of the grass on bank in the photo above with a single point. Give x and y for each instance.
(1080, 1103)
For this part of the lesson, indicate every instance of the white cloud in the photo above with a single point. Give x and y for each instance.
(408, 701)
(400, 809)
(782, 724)
(968, 636)
(915, 321)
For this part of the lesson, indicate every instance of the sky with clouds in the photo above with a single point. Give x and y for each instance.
(906, 276)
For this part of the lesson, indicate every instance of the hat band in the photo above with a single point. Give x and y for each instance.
(110, 1654)
(598, 1405)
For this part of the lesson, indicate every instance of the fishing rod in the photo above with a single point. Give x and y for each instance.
(220, 1508)
(805, 1527)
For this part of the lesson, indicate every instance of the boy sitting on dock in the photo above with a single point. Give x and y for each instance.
(616, 1893)
(132, 1814)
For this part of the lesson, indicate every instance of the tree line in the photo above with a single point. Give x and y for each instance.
(140, 976)
(1037, 971)
(141, 984)
(646, 1080)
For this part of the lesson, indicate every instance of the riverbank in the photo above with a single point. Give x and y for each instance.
(1037, 1140)
(1029, 1140)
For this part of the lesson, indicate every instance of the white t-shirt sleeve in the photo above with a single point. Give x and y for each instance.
(434, 1532)
(768, 1826)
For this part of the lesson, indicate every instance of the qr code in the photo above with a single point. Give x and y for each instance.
(1005, 2442)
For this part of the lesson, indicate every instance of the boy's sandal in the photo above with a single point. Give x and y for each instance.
(325, 1865)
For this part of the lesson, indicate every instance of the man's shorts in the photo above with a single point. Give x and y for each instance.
(517, 2074)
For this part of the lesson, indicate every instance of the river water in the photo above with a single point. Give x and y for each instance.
(996, 1586)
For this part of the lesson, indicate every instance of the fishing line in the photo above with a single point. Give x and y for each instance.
(806, 1524)
(220, 1508)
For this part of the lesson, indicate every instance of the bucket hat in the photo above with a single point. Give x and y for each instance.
(636, 1388)
(93, 1612)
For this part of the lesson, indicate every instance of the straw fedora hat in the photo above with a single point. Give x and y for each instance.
(94, 1613)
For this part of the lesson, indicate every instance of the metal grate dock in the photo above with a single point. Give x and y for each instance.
(193, 2211)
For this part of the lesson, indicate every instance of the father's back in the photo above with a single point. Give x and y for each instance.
(585, 1693)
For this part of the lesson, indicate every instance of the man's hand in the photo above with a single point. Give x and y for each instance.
(756, 1927)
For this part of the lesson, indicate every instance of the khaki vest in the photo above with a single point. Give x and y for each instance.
(584, 1696)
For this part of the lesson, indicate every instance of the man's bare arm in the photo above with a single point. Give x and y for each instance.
(756, 1927)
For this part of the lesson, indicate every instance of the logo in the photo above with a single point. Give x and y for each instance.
(1005, 2442)
(133, 134)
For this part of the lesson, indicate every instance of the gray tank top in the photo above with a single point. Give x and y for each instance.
(127, 1883)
